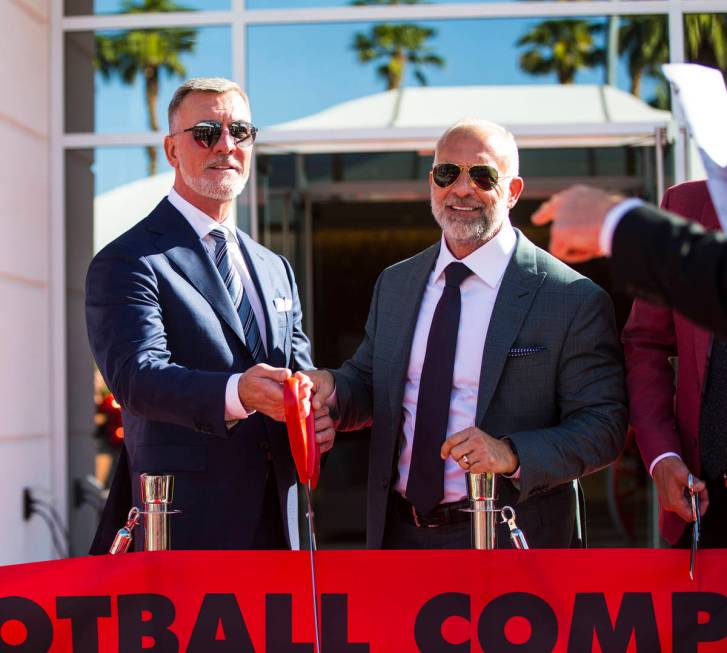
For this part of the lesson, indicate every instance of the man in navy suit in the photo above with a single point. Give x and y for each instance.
(194, 327)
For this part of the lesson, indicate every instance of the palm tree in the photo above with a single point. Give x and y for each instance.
(706, 39)
(645, 42)
(147, 53)
(562, 47)
(398, 45)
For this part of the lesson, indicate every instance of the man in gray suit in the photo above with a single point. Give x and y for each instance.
(482, 353)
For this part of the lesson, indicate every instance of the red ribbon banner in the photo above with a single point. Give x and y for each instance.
(435, 602)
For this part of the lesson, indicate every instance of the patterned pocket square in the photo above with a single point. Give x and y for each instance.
(520, 352)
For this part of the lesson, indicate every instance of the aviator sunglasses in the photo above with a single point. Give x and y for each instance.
(208, 132)
(485, 177)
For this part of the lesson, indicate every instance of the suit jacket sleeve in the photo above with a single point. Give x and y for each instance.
(649, 339)
(591, 403)
(128, 340)
(667, 260)
(354, 392)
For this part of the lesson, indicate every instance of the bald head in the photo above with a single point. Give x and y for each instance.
(498, 140)
(472, 209)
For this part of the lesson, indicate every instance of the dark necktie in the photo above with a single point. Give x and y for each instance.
(233, 283)
(425, 487)
(713, 418)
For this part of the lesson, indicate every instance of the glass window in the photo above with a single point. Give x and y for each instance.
(83, 7)
(337, 63)
(122, 80)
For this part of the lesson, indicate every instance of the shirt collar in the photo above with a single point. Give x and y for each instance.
(489, 261)
(199, 220)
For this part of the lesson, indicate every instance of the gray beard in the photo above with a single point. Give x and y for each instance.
(466, 232)
(222, 190)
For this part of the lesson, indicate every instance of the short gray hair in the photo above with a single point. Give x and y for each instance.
(202, 85)
(509, 153)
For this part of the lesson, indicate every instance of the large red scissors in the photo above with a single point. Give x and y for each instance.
(302, 435)
(307, 457)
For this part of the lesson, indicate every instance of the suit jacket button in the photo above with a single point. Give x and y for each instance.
(385, 483)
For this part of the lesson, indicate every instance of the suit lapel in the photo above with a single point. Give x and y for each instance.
(407, 312)
(519, 286)
(178, 241)
(264, 285)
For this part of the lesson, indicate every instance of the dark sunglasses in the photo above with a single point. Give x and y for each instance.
(485, 177)
(208, 132)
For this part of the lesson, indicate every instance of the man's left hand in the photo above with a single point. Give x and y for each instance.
(325, 429)
(478, 452)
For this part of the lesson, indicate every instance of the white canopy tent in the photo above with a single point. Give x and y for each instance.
(411, 119)
(575, 115)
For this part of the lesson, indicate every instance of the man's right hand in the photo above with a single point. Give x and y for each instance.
(323, 386)
(577, 214)
(671, 477)
(260, 388)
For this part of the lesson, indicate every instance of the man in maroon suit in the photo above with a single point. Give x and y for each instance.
(689, 433)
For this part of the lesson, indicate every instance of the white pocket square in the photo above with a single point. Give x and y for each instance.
(283, 304)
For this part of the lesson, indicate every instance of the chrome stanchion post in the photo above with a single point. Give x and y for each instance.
(156, 494)
(481, 489)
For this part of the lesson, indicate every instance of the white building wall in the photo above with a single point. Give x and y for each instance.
(25, 370)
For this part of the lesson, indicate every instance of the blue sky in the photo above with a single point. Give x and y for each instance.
(296, 70)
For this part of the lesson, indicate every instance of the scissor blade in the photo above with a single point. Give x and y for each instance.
(694, 497)
(311, 549)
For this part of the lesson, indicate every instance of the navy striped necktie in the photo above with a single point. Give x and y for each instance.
(425, 487)
(240, 300)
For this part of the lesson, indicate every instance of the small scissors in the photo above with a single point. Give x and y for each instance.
(696, 519)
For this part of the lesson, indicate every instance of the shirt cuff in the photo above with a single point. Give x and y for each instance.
(611, 221)
(515, 476)
(668, 454)
(234, 409)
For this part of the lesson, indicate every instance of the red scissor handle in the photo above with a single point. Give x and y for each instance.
(302, 435)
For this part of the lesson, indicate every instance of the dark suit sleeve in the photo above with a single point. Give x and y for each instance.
(128, 340)
(664, 259)
(354, 380)
(649, 340)
(591, 402)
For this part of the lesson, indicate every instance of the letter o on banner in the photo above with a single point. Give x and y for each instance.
(37, 625)
(542, 619)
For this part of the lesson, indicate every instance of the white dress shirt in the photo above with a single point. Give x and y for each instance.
(479, 292)
(203, 224)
